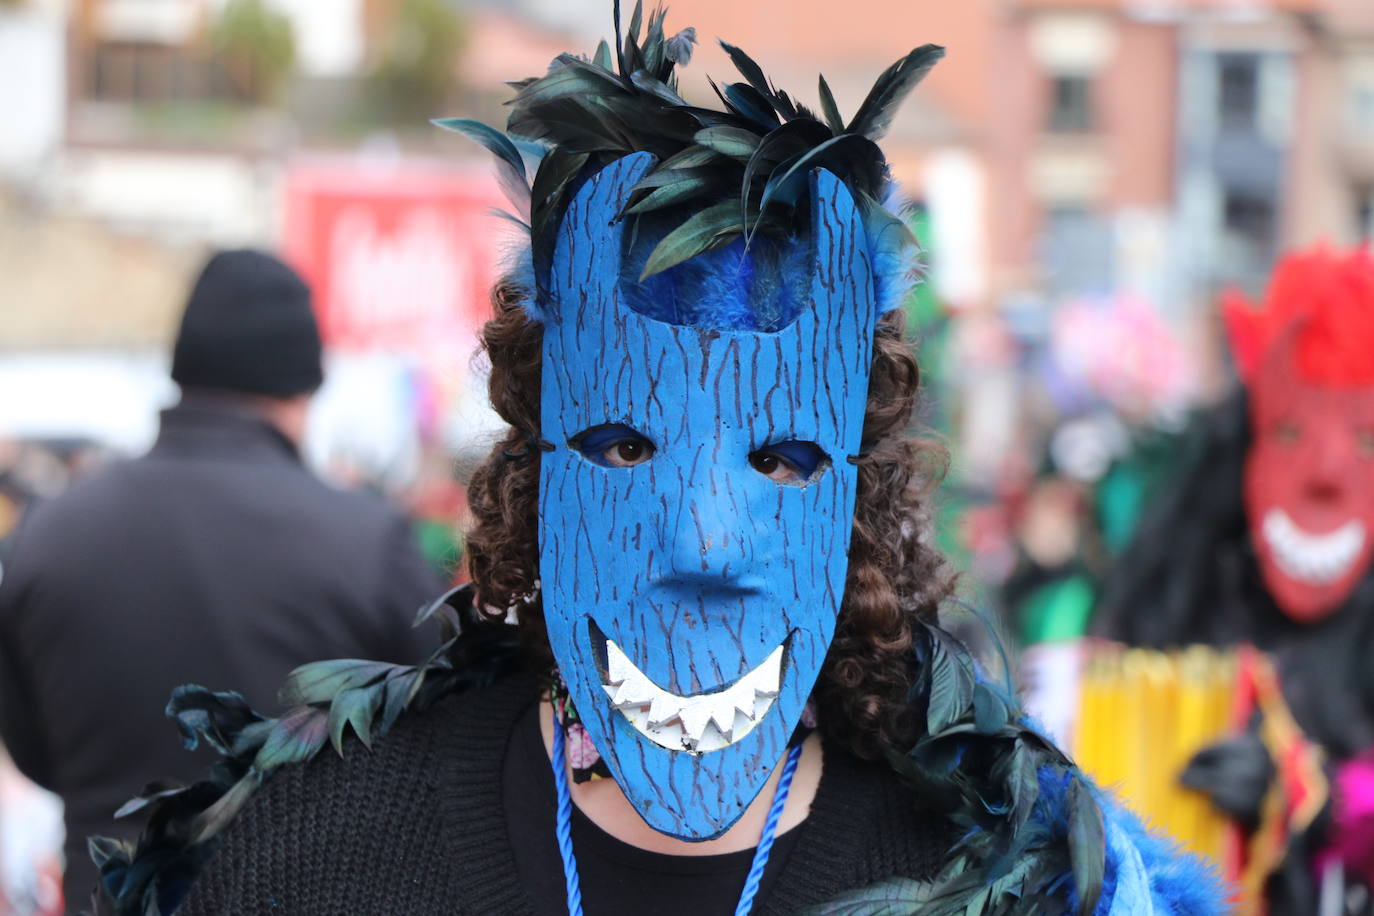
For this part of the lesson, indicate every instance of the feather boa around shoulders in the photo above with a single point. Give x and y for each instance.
(1038, 837)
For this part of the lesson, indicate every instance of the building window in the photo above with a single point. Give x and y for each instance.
(1248, 232)
(1071, 108)
(1076, 252)
(1362, 107)
(1364, 213)
(1250, 217)
(145, 72)
(1238, 91)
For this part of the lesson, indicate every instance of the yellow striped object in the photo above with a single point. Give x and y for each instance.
(1142, 716)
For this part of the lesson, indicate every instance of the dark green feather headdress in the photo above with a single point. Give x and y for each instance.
(721, 174)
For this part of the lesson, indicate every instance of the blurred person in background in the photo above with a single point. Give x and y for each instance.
(216, 558)
(1266, 538)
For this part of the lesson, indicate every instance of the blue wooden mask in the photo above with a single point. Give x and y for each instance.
(695, 510)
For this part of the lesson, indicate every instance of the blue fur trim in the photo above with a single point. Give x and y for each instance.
(519, 267)
(1147, 873)
(895, 276)
(1179, 882)
(760, 289)
(897, 263)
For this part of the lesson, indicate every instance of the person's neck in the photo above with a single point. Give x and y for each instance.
(606, 806)
(287, 415)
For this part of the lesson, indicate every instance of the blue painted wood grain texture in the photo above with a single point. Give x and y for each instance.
(697, 565)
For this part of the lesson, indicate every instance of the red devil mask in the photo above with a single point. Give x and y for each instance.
(1308, 360)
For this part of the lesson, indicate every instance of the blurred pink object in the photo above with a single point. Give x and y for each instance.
(1353, 828)
(1122, 350)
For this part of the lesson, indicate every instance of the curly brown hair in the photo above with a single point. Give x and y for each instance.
(896, 579)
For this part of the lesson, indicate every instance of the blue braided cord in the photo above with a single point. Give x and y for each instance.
(563, 831)
(770, 827)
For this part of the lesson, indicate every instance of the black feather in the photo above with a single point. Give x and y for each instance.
(636, 19)
(579, 122)
(634, 57)
(551, 182)
(831, 110)
(646, 81)
(674, 187)
(570, 77)
(875, 114)
(779, 147)
(511, 165)
(654, 57)
(619, 49)
(602, 57)
(775, 99)
(704, 230)
(752, 104)
(734, 142)
(788, 108)
(764, 143)
(748, 69)
(678, 49)
(690, 158)
(836, 153)
(1087, 843)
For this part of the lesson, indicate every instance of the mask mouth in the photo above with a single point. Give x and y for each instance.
(1316, 559)
(699, 723)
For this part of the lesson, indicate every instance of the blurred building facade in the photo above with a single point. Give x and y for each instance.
(1169, 148)
(147, 131)
(1160, 147)
(1136, 152)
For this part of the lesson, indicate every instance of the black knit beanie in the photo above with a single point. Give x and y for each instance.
(248, 327)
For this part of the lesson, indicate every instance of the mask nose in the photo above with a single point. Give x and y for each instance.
(1323, 489)
(712, 545)
(1325, 480)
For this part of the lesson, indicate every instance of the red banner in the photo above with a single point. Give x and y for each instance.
(401, 259)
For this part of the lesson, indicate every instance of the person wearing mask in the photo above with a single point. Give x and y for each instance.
(217, 557)
(700, 667)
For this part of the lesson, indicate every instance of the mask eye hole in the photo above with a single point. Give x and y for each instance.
(1287, 431)
(613, 445)
(791, 462)
(1364, 442)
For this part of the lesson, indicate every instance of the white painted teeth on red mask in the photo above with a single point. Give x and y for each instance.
(1317, 559)
(697, 724)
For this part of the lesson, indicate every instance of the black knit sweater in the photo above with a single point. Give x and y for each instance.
(417, 826)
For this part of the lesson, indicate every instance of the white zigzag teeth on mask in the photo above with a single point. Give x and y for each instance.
(699, 723)
(1314, 558)
(663, 708)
